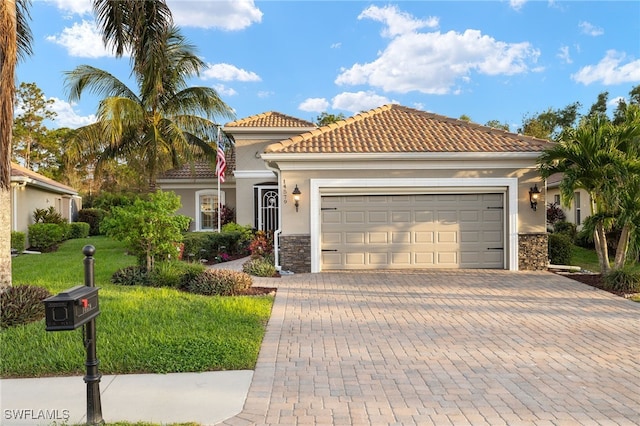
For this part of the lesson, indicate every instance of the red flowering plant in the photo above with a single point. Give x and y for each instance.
(261, 245)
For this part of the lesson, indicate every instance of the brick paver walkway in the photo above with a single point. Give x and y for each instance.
(446, 347)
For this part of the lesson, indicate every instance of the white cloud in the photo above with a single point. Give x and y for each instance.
(228, 15)
(81, 40)
(610, 70)
(432, 62)
(564, 55)
(517, 4)
(265, 94)
(67, 117)
(223, 90)
(77, 7)
(590, 29)
(615, 101)
(228, 72)
(336, 45)
(359, 101)
(396, 22)
(314, 105)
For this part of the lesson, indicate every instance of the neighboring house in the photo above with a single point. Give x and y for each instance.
(31, 191)
(580, 207)
(391, 188)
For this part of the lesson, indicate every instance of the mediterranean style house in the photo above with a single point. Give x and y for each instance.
(31, 191)
(391, 188)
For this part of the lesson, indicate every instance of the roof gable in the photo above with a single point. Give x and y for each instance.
(394, 128)
(270, 119)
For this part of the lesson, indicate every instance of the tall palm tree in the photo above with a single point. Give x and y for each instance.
(587, 158)
(165, 123)
(15, 42)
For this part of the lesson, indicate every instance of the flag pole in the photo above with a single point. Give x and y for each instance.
(218, 175)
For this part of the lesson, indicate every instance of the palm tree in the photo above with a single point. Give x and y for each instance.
(585, 157)
(163, 124)
(602, 159)
(15, 42)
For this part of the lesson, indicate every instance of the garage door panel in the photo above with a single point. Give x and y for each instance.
(413, 231)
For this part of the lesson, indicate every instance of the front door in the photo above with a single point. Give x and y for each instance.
(267, 204)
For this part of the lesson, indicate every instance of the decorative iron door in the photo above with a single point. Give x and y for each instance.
(267, 207)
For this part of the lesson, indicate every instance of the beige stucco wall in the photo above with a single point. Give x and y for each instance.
(570, 211)
(26, 199)
(187, 193)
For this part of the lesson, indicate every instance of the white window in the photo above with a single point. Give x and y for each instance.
(207, 209)
(576, 200)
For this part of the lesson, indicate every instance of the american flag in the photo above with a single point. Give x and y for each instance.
(221, 164)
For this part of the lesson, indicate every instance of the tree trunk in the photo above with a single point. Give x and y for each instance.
(8, 59)
(5, 242)
(622, 248)
(600, 242)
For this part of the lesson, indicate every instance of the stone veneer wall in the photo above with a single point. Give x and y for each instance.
(533, 252)
(295, 253)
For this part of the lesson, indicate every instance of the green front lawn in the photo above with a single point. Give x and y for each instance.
(139, 330)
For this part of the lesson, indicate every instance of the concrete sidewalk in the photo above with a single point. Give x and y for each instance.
(205, 398)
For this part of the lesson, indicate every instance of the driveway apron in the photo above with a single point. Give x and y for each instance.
(445, 347)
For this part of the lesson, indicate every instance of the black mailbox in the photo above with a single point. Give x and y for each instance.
(71, 308)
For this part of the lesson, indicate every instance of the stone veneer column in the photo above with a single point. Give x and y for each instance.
(295, 253)
(533, 252)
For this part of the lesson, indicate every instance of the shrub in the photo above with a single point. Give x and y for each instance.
(21, 305)
(194, 244)
(131, 275)
(259, 267)
(49, 215)
(624, 280)
(45, 236)
(78, 230)
(567, 228)
(560, 249)
(93, 217)
(261, 245)
(150, 229)
(219, 282)
(555, 214)
(174, 274)
(18, 240)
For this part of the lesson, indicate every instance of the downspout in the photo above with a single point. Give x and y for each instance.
(277, 232)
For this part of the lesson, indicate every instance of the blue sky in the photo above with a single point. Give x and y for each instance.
(489, 60)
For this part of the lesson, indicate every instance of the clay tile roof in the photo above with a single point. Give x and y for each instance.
(19, 171)
(394, 128)
(201, 169)
(270, 119)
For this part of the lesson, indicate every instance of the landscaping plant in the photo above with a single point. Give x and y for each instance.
(150, 229)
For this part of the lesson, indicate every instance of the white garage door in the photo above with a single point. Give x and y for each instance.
(412, 231)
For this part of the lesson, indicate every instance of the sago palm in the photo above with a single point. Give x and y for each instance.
(165, 123)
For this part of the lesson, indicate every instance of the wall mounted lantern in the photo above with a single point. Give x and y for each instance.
(296, 197)
(534, 194)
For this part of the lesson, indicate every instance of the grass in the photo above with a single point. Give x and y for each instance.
(139, 329)
(588, 259)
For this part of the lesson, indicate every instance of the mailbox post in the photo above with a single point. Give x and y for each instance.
(92, 378)
(75, 307)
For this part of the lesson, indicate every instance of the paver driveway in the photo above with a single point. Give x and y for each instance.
(446, 347)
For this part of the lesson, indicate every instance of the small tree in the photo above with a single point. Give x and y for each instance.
(150, 229)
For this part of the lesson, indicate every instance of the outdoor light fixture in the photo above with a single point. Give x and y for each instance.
(534, 194)
(296, 197)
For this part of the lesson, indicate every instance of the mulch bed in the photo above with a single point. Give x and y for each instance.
(594, 280)
(259, 291)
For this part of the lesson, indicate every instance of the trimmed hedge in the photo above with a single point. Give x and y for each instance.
(45, 236)
(560, 249)
(78, 230)
(18, 240)
(207, 245)
(93, 217)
